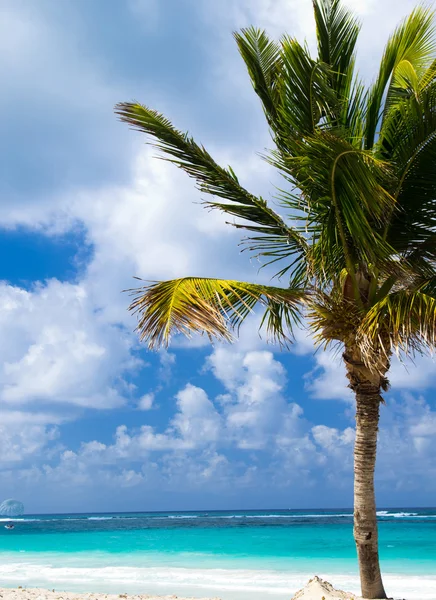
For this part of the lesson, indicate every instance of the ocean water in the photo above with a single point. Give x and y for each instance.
(235, 555)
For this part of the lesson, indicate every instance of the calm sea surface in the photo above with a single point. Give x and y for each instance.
(234, 555)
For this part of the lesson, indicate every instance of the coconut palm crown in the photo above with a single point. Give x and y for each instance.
(356, 244)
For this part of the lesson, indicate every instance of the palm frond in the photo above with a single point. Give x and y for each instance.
(403, 320)
(413, 42)
(428, 78)
(354, 114)
(428, 287)
(337, 32)
(344, 200)
(264, 63)
(307, 96)
(409, 138)
(213, 179)
(212, 306)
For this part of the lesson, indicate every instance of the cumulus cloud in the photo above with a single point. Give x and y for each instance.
(253, 415)
(21, 441)
(68, 345)
(146, 401)
(276, 444)
(57, 349)
(254, 403)
(327, 380)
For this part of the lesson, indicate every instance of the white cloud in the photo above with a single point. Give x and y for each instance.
(25, 437)
(153, 228)
(277, 16)
(197, 420)
(327, 381)
(73, 105)
(195, 425)
(146, 402)
(195, 450)
(56, 348)
(193, 447)
(257, 414)
(416, 374)
(254, 416)
(167, 361)
(337, 449)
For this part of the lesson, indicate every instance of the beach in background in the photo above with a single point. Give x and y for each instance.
(234, 555)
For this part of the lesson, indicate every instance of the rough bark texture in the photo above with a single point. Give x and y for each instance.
(367, 386)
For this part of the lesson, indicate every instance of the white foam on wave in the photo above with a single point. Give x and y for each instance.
(226, 583)
(380, 513)
(180, 517)
(308, 516)
(399, 515)
(15, 520)
(273, 516)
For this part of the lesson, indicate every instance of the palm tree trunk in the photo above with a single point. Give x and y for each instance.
(367, 386)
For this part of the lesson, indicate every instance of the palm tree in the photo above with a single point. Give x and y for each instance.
(357, 242)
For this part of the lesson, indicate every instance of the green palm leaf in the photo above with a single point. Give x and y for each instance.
(212, 179)
(344, 199)
(337, 31)
(307, 96)
(403, 320)
(264, 64)
(211, 306)
(413, 41)
(409, 137)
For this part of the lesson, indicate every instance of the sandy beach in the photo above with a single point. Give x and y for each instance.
(41, 594)
(316, 589)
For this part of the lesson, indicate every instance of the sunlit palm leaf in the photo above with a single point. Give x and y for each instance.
(428, 286)
(211, 306)
(428, 78)
(403, 320)
(412, 41)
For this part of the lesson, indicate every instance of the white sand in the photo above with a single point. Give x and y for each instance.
(317, 589)
(38, 594)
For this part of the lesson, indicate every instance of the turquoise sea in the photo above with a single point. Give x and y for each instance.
(234, 555)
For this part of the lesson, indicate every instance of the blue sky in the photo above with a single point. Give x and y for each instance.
(90, 420)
